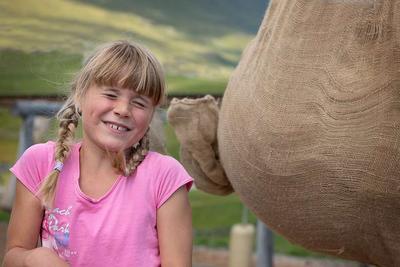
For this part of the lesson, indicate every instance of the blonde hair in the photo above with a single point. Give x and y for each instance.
(122, 64)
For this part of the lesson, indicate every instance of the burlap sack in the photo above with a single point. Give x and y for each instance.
(309, 128)
(195, 123)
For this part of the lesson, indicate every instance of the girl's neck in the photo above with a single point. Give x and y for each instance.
(97, 174)
(94, 158)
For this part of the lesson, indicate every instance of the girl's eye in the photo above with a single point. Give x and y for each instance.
(138, 103)
(111, 95)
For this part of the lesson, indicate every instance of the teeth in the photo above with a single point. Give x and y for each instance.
(119, 128)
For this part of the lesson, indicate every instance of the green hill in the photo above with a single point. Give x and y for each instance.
(198, 42)
(196, 18)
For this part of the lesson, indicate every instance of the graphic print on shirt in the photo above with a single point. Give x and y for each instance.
(55, 231)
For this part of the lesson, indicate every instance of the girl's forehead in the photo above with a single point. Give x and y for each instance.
(117, 88)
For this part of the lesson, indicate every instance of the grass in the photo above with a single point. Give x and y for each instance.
(41, 48)
(76, 27)
(195, 85)
(8, 151)
(195, 17)
(172, 145)
(4, 216)
(37, 73)
(9, 124)
(226, 211)
(8, 137)
(49, 73)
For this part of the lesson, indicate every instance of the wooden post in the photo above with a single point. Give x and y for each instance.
(241, 242)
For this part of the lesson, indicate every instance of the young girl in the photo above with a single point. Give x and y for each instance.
(107, 200)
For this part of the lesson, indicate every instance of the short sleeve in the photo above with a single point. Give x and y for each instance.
(34, 165)
(171, 176)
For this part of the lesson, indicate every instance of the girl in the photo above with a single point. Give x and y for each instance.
(106, 200)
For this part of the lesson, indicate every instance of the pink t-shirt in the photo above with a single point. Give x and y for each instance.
(118, 229)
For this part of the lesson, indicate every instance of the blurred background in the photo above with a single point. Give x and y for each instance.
(199, 43)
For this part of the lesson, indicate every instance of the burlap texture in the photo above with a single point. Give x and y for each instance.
(195, 123)
(309, 127)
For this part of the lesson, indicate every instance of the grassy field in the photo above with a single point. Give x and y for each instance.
(37, 73)
(49, 73)
(226, 211)
(43, 43)
(55, 35)
(196, 18)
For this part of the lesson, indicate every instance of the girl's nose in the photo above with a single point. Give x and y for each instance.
(122, 108)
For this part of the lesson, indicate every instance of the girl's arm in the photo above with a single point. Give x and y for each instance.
(174, 227)
(23, 233)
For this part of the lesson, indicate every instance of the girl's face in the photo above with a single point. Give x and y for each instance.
(113, 118)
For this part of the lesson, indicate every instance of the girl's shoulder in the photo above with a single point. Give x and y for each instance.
(162, 167)
(45, 148)
(165, 175)
(48, 144)
(34, 165)
(156, 159)
(39, 149)
(41, 155)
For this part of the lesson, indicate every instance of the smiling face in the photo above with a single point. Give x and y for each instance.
(113, 118)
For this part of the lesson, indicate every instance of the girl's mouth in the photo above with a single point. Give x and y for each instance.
(118, 127)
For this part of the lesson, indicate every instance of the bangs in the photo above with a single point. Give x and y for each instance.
(129, 66)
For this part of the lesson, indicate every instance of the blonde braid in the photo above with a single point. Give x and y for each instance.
(68, 117)
(137, 154)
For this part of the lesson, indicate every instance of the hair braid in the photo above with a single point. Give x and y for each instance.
(68, 117)
(137, 154)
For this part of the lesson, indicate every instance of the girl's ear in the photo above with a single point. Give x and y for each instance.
(78, 108)
(78, 104)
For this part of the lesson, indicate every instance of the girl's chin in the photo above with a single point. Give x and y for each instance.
(114, 148)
